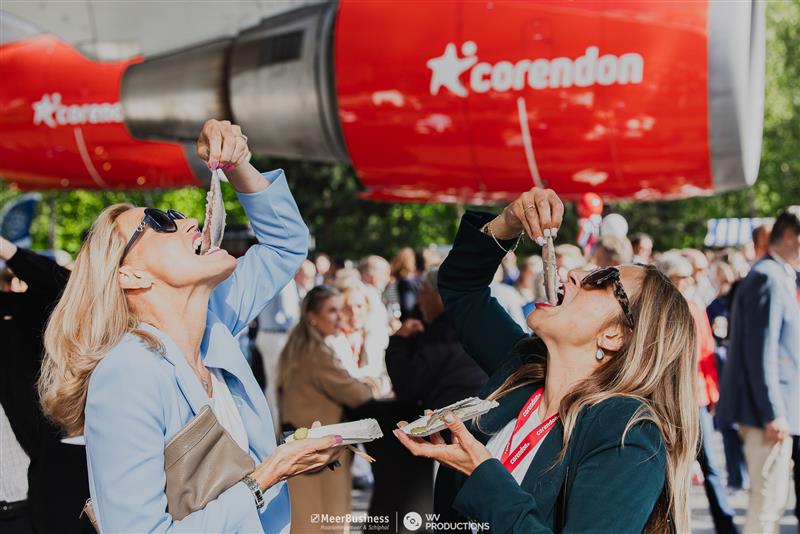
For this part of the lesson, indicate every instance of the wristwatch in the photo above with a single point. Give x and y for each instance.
(255, 489)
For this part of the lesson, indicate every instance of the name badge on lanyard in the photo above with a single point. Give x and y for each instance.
(510, 459)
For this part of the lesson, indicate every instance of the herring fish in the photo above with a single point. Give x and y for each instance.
(214, 225)
(466, 410)
(550, 271)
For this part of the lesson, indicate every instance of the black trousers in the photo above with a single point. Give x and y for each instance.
(796, 460)
(16, 521)
(721, 511)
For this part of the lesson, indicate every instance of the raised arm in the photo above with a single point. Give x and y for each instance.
(484, 328)
(269, 265)
(44, 276)
(281, 233)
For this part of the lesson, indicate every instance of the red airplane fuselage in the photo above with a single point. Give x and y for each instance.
(448, 101)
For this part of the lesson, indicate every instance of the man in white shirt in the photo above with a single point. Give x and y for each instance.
(13, 481)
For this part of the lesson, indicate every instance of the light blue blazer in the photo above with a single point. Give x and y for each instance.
(761, 379)
(138, 399)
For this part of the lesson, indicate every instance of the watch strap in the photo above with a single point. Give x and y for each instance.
(255, 489)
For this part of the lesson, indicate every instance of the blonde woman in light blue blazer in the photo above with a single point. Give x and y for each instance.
(143, 339)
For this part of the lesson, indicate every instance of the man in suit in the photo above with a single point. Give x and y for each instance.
(761, 382)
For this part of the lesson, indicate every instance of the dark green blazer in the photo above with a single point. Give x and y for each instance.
(601, 485)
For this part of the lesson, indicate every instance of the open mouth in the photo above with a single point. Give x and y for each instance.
(560, 293)
(198, 249)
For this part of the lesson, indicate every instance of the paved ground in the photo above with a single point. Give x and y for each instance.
(701, 518)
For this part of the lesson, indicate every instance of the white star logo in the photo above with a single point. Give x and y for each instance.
(448, 68)
(44, 109)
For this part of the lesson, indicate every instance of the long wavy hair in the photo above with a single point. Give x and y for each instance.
(89, 320)
(305, 342)
(656, 365)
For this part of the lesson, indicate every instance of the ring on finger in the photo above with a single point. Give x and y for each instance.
(530, 207)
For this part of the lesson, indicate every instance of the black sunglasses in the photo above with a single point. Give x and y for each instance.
(160, 221)
(609, 276)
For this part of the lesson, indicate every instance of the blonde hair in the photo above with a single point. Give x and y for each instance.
(404, 264)
(305, 342)
(89, 320)
(657, 365)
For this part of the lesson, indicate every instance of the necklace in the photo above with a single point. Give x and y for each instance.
(206, 384)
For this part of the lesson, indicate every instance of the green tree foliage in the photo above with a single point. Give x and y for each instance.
(345, 226)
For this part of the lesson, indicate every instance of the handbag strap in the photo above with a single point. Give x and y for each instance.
(88, 510)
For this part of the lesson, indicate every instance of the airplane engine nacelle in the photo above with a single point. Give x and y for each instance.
(460, 101)
(478, 101)
(276, 81)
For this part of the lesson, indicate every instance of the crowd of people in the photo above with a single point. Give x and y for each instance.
(330, 340)
(418, 354)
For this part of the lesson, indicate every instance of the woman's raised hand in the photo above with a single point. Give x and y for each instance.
(538, 212)
(222, 145)
(297, 457)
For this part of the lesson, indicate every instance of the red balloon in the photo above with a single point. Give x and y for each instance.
(590, 204)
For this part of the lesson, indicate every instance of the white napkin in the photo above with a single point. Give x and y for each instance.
(362, 431)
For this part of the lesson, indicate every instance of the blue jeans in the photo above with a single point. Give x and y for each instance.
(735, 464)
(721, 511)
(734, 457)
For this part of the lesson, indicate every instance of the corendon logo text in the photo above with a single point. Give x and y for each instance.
(519, 453)
(589, 69)
(51, 112)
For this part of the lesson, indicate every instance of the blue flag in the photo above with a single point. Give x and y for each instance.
(16, 219)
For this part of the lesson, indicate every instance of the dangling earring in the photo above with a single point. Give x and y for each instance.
(599, 355)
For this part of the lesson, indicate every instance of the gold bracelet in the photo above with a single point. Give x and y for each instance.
(487, 229)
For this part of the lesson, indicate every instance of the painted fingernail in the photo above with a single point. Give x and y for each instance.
(227, 166)
(540, 241)
(338, 439)
(450, 418)
(554, 232)
(214, 164)
(547, 232)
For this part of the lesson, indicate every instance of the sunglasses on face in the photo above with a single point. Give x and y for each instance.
(161, 221)
(609, 276)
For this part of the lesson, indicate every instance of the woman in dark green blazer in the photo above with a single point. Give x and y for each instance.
(596, 426)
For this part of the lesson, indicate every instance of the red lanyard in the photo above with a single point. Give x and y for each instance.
(511, 459)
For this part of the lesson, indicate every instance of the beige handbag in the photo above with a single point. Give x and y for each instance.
(201, 461)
